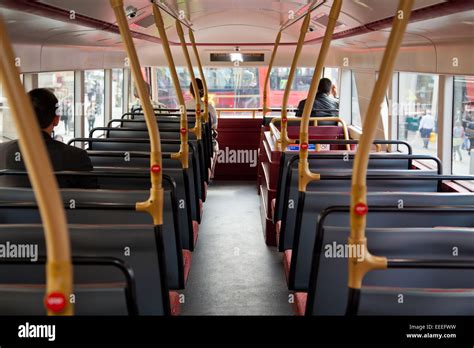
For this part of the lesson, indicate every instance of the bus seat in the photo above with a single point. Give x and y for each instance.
(315, 202)
(331, 161)
(100, 241)
(93, 299)
(175, 304)
(187, 199)
(380, 301)
(126, 144)
(328, 291)
(289, 214)
(142, 160)
(97, 207)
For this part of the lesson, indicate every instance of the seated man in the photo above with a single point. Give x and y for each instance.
(137, 105)
(62, 156)
(324, 104)
(191, 105)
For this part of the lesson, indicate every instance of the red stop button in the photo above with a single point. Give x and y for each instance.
(55, 302)
(155, 168)
(183, 130)
(304, 146)
(361, 209)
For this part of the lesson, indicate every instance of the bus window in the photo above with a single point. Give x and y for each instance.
(333, 75)
(300, 86)
(463, 125)
(355, 107)
(7, 128)
(418, 111)
(166, 92)
(93, 99)
(117, 93)
(62, 84)
(233, 87)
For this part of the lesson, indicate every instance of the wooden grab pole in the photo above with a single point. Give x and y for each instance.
(182, 155)
(269, 71)
(359, 208)
(284, 140)
(59, 278)
(305, 175)
(201, 73)
(154, 205)
(197, 98)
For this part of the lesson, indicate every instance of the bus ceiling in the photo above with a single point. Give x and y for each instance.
(239, 18)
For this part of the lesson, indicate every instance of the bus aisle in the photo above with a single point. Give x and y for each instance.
(234, 272)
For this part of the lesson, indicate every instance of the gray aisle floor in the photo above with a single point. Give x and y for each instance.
(233, 272)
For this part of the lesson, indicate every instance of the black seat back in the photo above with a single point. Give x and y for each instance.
(316, 202)
(104, 207)
(103, 241)
(328, 292)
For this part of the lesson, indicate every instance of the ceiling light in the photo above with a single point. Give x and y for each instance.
(360, 3)
(236, 57)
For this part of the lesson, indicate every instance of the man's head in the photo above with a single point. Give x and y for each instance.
(45, 105)
(325, 85)
(200, 87)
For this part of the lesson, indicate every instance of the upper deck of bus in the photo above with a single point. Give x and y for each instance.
(246, 201)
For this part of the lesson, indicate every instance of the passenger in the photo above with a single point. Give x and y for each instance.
(137, 105)
(63, 157)
(458, 139)
(468, 123)
(191, 105)
(427, 125)
(325, 104)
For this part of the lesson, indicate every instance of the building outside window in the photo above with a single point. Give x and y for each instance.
(94, 99)
(463, 125)
(418, 112)
(62, 85)
(117, 93)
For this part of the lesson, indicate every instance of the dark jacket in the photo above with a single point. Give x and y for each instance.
(62, 156)
(323, 106)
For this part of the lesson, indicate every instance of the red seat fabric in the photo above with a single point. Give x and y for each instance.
(277, 230)
(175, 306)
(187, 256)
(272, 204)
(287, 262)
(200, 208)
(195, 231)
(300, 302)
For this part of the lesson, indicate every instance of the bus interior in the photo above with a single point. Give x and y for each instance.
(221, 158)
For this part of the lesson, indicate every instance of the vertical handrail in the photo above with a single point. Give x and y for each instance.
(197, 127)
(154, 204)
(59, 276)
(284, 140)
(201, 73)
(183, 154)
(267, 77)
(305, 175)
(359, 208)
